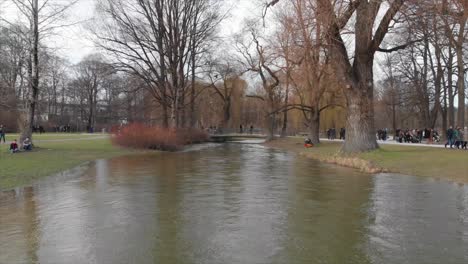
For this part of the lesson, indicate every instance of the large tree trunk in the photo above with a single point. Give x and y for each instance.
(451, 96)
(314, 126)
(91, 112)
(24, 125)
(165, 110)
(192, 95)
(271, 122)
(360, 130)
(460, 88)
(285, 113)
(284, 128)
(226, 113)
(183, 118)
(394, 122)
(174, 109)
(26, 130)
(358, 78)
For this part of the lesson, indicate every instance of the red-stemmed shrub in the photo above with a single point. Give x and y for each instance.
(152, 137)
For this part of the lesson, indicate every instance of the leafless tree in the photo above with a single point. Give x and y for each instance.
(260, 61)
(455, 17)
(223, 76)
(42, 17)
(91, 73)
(161, 42)
(356, 72)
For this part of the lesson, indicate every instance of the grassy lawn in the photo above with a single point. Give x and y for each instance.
(56, 136)
(51, 157)
(419, 161)
(422, 161)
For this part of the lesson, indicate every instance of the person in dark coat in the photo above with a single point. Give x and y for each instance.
(450, 135)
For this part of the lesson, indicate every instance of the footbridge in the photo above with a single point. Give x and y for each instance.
(220, 138)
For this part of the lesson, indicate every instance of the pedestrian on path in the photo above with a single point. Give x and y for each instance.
(465, 138)
(2, 133)
(430, 139)
(450, 135)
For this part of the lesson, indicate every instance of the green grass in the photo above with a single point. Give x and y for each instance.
(51, 157)
(56, 136)
(439, 163)
(422, 161)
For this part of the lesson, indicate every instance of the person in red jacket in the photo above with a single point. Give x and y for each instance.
(14, 147)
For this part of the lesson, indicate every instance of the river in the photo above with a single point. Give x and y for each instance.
(232, 203)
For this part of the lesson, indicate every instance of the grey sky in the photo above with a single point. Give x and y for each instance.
(74, 42)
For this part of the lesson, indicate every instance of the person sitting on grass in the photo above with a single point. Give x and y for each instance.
(27, 145)
(14, 147)
(308, 143)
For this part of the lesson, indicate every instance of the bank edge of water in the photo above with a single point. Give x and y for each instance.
(50, 158)
(426, 162)
(327, 153)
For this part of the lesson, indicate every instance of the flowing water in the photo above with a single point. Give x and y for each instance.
(233, 203)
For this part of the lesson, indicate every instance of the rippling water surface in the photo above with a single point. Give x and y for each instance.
(235, 203)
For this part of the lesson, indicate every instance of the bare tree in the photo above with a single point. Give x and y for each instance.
(356, 72)
(42, 17)
(258, 60)
(224, 77)
(13, 61)
(455, 17)
(161, 42)
(91, 73)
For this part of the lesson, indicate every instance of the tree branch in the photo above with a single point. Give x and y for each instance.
(399, 47)
(385, 23)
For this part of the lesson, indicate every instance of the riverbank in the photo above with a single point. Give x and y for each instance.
(409, 160)
(52, 155)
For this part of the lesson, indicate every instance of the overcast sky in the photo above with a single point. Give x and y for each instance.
(74, 42)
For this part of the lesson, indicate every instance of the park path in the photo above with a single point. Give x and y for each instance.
(392, 142)
(381, 142)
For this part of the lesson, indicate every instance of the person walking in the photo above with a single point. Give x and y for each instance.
(430, 139)
(2, 134)
(465, 137)
(449, 137)
(459, 142)
(456, 137)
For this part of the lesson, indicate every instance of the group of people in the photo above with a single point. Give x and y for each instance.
(242, 129)
(219, 130)
(64, 129)
(213, 130)
(38, 129)
(27, 146)
(382, 134)
(331, 133)
(14, 148)
(417, 135)
(457, 137)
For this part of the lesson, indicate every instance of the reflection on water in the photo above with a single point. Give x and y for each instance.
(232, 204)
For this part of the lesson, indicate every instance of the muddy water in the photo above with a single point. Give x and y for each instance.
(232, 204)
